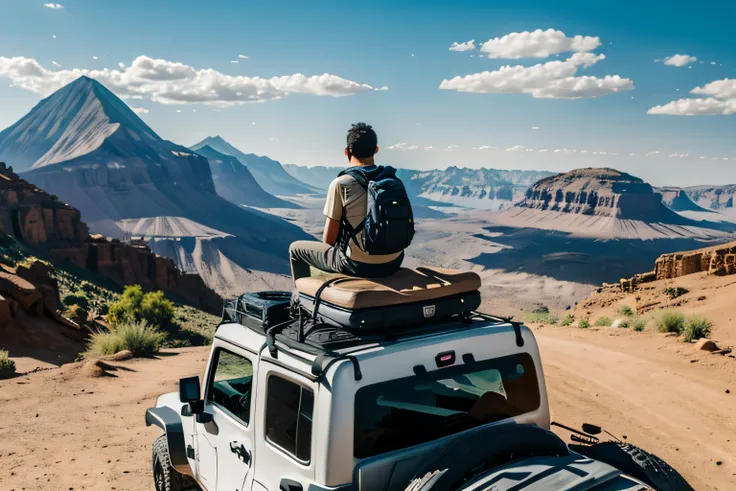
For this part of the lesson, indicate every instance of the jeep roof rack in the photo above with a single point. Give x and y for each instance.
(329, 343)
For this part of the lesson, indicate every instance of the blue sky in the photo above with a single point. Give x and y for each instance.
(369, 45)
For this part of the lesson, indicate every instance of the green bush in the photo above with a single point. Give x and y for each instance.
(674, 292)
(584, 324)
(696, 327)
(639, 325)
(624, 324)
(7, 366)
(134, 305)
(567, 320)
(604, 322)
(541, 318)
(76, 298)
(670, 321)
(627, 311)
(138, 337)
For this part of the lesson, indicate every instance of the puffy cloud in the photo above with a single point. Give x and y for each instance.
(234, 62)
(678, 60)
(401, 146)
(169, 82)
(551, 80)
(655, 153)
(242, 57)
(53, 5)
(721, 101)
(537, 44)
(536, 128)
(466, 46)
(140, 110)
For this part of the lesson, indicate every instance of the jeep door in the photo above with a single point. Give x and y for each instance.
(225, 444)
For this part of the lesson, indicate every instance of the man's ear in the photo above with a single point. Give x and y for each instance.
(346, 152)
(376, 150)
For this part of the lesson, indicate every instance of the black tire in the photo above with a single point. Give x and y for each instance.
(637, 463)
(165, 477)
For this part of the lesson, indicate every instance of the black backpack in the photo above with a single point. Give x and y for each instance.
(388, 227)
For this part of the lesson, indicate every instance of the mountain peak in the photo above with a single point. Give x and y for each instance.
(70, 123)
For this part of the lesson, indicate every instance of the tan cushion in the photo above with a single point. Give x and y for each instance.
(405, 286)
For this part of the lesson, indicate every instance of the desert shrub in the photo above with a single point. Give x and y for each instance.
(674, 292)
(7, 366)
(541, 318)
(696, 327)
(137, 336)
(134, 305)
(604, 321)
(567, 320)
(584, 324)
(624, 324)
(670, 321)
(625, 310)
(156, 309)
(76, 298)
(640, 324)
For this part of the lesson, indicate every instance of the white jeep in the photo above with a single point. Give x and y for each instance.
(457, 402)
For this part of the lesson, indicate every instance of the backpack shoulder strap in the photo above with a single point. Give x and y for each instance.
(358, 174)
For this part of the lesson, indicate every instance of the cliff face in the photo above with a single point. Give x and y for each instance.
(719, 260)
(601, 192)
(34, 217)
(721, 198)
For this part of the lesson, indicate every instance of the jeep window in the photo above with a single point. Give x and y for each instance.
(289, 417)
(230, 387)
(413, 410)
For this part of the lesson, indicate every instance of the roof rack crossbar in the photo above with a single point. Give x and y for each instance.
(515, 324)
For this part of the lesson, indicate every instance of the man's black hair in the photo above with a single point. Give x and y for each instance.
(362, 141)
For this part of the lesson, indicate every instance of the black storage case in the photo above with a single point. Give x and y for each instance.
(259, 310)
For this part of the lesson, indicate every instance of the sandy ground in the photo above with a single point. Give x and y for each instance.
(62, 430)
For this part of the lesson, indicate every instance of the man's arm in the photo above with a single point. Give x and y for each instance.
(332, 230)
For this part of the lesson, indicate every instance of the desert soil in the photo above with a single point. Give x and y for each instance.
(61, 430)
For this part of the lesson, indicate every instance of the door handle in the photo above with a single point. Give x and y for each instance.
(239, 449)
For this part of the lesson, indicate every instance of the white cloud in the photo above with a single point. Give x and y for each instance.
(54, 63)
(401, 146)
(678, 60)
(140, 110)
(551, 80)
(485, 147)
(53, 5)
(537, 44)
(536, 128)
(178, 110)
(516, 148)
(94, 58)
(721, 101)
(428, 148)
(712, 62)
(385, 87)
(678, 155)
(452, 147)
(235, 62)
(544, 150)
(168, 82)
(466, 46)
(655, 153)
(243, 57)
(53, 36)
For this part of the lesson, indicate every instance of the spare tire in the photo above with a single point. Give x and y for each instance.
(637, 463)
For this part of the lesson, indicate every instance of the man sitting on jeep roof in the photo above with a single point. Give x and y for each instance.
(369, 220)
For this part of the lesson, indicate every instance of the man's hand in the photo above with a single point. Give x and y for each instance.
(332, 230)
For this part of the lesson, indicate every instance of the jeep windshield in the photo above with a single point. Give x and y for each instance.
(413, 410)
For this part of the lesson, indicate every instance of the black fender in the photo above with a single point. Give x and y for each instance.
(169, 420)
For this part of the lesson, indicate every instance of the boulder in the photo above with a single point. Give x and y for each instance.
(706, 345)
(120, 356)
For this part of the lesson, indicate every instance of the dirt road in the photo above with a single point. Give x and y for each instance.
(60, 430)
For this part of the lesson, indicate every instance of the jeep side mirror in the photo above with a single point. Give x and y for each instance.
(189, 389)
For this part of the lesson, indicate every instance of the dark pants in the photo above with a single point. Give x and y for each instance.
(306, 253)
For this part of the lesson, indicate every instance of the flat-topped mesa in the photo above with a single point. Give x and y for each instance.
(37, 218)
(591, 191)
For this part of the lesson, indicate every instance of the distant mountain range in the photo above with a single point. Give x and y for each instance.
(721, 198)
(235, 183)
(268, 173)
(476, 188)
(86, 146)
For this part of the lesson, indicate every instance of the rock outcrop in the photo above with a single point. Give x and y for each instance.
(717, 260)
(600, 192)
(36, 218)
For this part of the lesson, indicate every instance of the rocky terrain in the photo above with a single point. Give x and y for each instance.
(235, 183)
(269, 173)
(85, 145)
